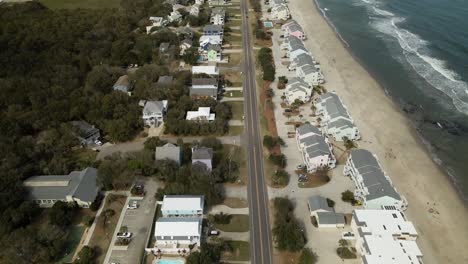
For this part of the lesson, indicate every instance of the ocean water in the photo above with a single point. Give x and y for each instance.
(418, 51)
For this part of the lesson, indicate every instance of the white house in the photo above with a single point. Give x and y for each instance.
(280, 12)
(292, 28)
(153, 112)
(175, 16)
(374, 188)
(301, 60)
(385, 236)
(210, 70)
(218, 15)
(310, 74)
(212, 40)
(335, 118)
(274, 3)
(182, 206)
(176, 234)
(297, 89)
(78, 186)
(202, 114)
(156, 22)
(316, 151)
(194, 10)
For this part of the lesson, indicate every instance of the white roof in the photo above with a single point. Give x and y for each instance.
(178, 227)
(216, 39)
(386, 250)
(203, 113)
(211, 70)
(380, 222)
(182, 202)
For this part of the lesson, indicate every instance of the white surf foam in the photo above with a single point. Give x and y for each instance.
(417, 53)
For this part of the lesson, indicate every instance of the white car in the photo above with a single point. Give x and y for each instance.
(98, 142)
(132, 205)
(124, 235)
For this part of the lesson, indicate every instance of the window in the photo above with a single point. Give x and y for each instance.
(395, 216)
(384, 227)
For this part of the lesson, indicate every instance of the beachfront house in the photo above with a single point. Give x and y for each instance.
(292, 28)
(213, 30)
(86, 133)
(374, 189)
(177, 234)
(168, 152)
(202, 156)
(210, 70)
(153, 113)
(201, 115)
(182, 206)
(280, 12)
(335, 118)
(385, 236)
(297, 90)
(301, 60)
(218, 16)
(204, 88)
(315, 148)
(310, 74)
(78, 186)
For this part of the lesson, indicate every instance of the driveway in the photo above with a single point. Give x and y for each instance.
(139, 222)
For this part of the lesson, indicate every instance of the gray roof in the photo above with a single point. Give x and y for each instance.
(168, 151)
(372, 175)
(203, 92)
(154, 107)
(122, 84)
(202, 153)
(213, 28)
(317, 202)
(78, 184)
(319, 148)
(187, 41)
(85, 129)
(303, 59)
(341, 124)
(330, 218)
(333, 105)
(308, 69)
(295, 27)
(205, 81)
(218, 11)
(164, 46)
(215, 47)
(165, 79)
(308, 128)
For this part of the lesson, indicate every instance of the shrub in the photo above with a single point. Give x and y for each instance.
(281, 177)
(330, 202)
(222, 218)
(308, 257)
(287, 230)
(347, 196)
(278, 160)
(345, 253)
(88, 220)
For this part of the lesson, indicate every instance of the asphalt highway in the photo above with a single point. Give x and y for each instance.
(260, 231)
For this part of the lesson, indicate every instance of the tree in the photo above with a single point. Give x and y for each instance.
(191, 56)
(330, 203)
(153, 142)
(208, 254)
(287, 230)
(278, 159)
(86, 256)
(308, 257)
(280, 177)
(347, 196)
(61, 213)
(349, 144)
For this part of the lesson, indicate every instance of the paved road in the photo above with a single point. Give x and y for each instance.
(260, 236)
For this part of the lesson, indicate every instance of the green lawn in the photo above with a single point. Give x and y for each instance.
(74, 237)
(235, 130)
(240, 251)
(88, 4)
(237, 109)
(239, 223)
(234, 94)
(234, 23)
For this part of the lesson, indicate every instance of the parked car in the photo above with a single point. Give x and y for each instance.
(287, 110)
(348, 235)
(124, 235)
(132, 205)
(214, 233)
(98, 142)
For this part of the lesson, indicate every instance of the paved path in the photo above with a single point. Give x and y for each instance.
(117, 228)
(232, 99)
(260, 239)
(226, 209)
(90, 231)
(228, 51)
(227, 89)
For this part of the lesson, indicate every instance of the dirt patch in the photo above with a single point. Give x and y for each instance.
(315, 179)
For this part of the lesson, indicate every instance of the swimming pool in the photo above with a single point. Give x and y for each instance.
(268, 24)
(170, 261)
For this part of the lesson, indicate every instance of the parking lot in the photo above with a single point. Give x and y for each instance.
(138, 222)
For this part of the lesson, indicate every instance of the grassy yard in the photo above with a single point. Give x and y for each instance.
(73, 4)
(234, 39)
(74, 237)
(240, 251)
(235, 59)
(234, 94)
(235, 130)
(234, 23)
(237, 109)
(235, 202)
(104, 230)
(239, 223)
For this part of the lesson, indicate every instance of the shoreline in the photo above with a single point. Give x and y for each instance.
(424, 142)
(435, 205)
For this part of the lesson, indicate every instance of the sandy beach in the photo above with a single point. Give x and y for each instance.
(434, 205)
